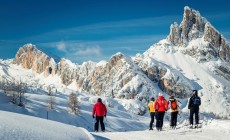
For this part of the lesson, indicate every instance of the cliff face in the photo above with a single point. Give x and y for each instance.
(119, 77)
(194, 26)
(31, 58)
(191, 27)
(169, 80)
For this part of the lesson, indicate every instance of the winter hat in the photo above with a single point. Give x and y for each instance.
(160, 94)
(99, 100)
(194, 92)
(171, 97)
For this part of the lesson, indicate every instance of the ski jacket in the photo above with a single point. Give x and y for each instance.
(161, 104)
(191, 102)
(170, 105)
(99, 109)
(151, 106)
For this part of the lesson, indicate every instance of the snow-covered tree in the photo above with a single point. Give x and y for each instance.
(16, 91)
(51, 101)
(73, 104)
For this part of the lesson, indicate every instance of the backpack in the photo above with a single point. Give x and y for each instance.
(173, 105)
(196, 101)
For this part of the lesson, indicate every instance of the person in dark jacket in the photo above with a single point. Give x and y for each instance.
(194, 103)
(100, 110)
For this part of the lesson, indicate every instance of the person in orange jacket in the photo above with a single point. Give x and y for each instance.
(152, 112)
(160, 106)
(100, 110)
(174, 111)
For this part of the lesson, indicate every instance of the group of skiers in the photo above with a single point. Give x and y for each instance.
(157, 109)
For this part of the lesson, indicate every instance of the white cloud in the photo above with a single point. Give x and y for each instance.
(61, 46)
(89, 51)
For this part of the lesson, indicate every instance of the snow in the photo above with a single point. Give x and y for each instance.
(212, 88)
(101, 63)
(218, 130)
(15, 126)
(121, 121)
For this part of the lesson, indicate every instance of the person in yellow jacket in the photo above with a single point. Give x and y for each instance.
(173, 104)
(152, 112)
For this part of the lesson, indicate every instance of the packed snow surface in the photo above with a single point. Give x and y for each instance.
(15, 126)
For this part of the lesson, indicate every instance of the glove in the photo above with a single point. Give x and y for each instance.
(93, 116)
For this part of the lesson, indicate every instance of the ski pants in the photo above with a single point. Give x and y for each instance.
(96, 125)
(174, 118)
(193, 111)
(152, 115)
(159, 119)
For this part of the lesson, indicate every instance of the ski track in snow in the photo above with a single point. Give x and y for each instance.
(219, 131)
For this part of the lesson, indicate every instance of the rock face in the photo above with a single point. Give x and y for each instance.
(195, 26)
(211, 44)
(32, 58)
(117, 78)
(191, 27)
(168, 79)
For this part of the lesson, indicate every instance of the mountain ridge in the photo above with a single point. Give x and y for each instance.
(145, 75)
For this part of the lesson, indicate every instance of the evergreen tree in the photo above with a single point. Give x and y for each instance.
(73, 104)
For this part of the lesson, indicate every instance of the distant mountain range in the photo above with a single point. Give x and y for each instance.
(193, 56)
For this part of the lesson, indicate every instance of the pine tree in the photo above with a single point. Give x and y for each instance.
(73, 104)
(51, 101)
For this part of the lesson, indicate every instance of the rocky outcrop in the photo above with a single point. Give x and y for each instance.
(191, 27)
(168, 79)
(217, 42)
(31, 58)
(117, 78)
(195, 26)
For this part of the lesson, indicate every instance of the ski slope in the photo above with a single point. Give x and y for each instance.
(216, 130)
(15, 126)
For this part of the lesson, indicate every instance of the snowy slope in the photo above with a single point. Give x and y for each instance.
(213, 89)
(216, 130)
(120, 123)
(15, 126)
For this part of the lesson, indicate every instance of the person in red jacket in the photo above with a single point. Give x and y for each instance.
(100, 110)
(160, 106)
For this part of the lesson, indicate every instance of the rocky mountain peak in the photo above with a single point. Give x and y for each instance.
(191, 27)
(194, 26)
(31, 58)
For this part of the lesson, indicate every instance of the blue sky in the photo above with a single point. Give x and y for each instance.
(82, 30)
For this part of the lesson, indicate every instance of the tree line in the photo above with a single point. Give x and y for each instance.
(16, 92)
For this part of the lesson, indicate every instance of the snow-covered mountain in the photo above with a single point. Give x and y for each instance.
(199, 52)
(193, 56)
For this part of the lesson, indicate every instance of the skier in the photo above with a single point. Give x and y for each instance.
(100, 110)
(174, 111)
(194, 103)
(152, 112)
(160, 106)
